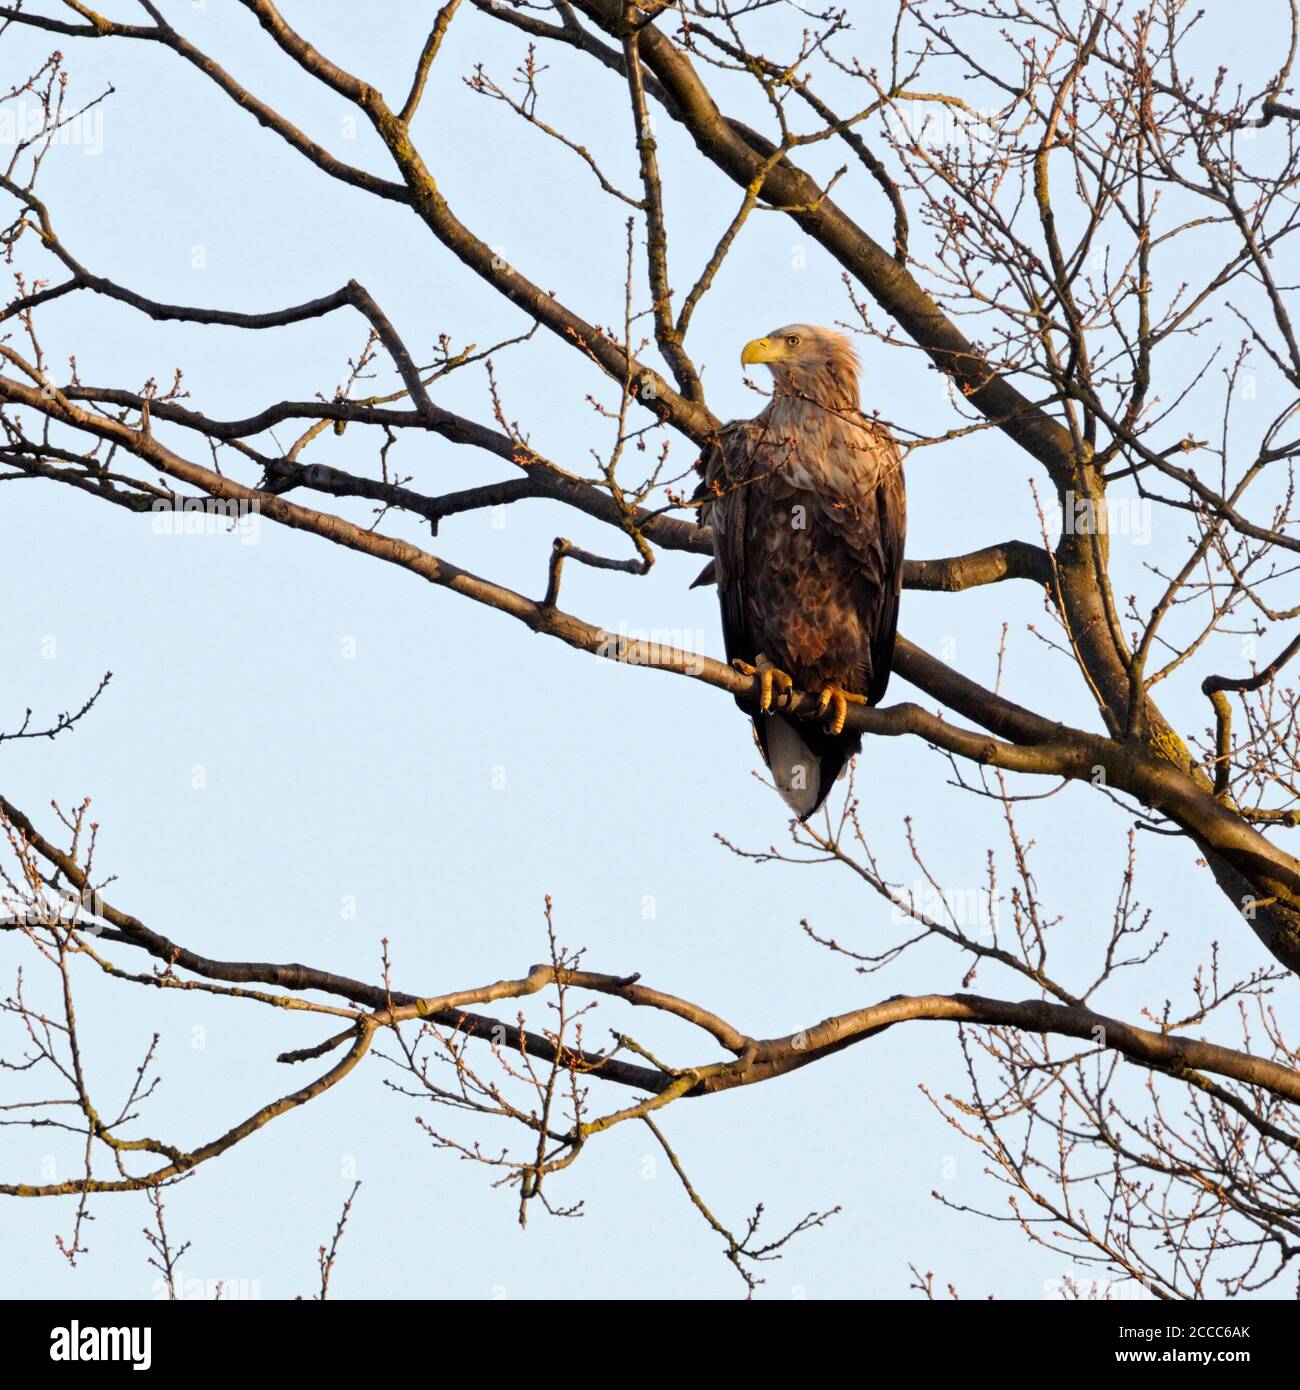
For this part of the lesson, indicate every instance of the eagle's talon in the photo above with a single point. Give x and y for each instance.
(834, 700)
(775, 688)
(783, 697)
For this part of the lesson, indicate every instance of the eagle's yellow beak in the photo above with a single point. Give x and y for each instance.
(760, 350)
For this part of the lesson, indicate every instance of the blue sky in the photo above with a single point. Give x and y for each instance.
(456, 769)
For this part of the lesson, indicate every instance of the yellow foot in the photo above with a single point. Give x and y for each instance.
(833, 706)
(774, 686)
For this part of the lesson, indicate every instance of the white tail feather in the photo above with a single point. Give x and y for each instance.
(795, 768)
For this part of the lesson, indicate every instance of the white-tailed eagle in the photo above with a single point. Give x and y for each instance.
(808, 512)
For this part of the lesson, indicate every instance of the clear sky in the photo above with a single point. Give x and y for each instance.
(366, 738)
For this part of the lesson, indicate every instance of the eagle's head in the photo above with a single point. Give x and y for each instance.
(808, 361)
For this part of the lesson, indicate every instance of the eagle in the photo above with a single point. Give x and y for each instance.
(808, 511)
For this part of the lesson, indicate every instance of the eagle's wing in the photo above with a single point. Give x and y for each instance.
(730, 465)
(876, 537)
(891, 506)
(857, 517)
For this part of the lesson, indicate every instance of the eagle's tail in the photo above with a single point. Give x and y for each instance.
(804, 759)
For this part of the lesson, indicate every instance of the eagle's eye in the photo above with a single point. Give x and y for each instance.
(792, 340)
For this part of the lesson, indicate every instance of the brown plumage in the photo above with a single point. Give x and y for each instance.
(808, 512)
